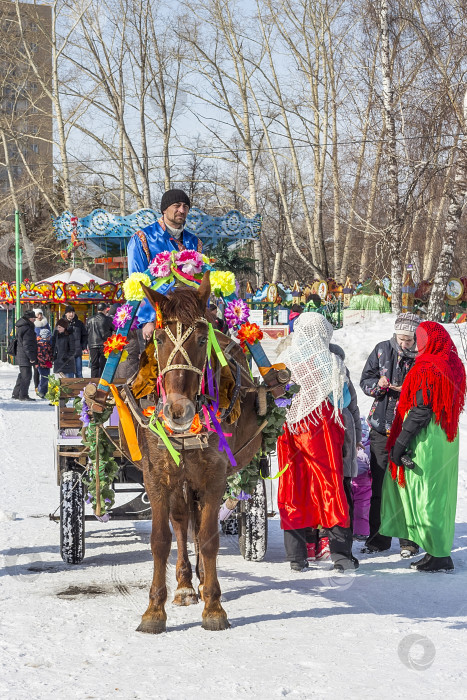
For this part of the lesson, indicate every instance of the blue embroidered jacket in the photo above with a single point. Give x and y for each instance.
(144, 246)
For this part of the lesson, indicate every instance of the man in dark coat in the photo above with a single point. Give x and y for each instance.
(99, 328)
(80, 336)
(26, 355)
(63, 346)
(382, 377)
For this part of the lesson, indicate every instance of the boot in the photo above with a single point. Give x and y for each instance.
(423, 560)
(299, 566)
(346, 565)
(436, 564)
(409, 550)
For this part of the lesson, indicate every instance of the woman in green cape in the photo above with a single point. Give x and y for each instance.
(420, 487)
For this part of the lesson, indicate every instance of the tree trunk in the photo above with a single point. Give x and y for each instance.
(394, 225)
(457, 198)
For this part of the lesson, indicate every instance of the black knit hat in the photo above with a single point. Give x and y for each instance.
(29, 314)
(69, 309)
(173, 196)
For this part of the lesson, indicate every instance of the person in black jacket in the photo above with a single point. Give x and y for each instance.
(382, 378)
(63, 346)
(80, 336)
(26, 355)
(99, 328)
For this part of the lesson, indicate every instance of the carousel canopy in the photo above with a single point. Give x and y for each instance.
(112, 232)
(70, 286)
(76, 275)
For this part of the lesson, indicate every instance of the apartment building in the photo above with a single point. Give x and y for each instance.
(26, 131)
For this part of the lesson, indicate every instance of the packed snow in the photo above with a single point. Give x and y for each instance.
(69, 631)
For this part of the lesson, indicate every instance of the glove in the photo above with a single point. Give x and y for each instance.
(407, 461)
(396, 453)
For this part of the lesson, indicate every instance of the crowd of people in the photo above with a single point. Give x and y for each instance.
(399, 479)
(39, 351)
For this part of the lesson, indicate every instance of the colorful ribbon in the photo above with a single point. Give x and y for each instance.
(157, 428)
(126, 421)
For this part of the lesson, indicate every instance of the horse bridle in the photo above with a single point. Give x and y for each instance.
(178, 343)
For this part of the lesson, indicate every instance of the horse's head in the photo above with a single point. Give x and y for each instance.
(181, 349)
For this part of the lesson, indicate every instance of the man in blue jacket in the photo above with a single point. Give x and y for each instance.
(168, 233)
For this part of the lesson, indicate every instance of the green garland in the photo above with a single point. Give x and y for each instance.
(246, 479)
(108, 467)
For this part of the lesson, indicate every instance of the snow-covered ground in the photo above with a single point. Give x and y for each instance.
(69, 632)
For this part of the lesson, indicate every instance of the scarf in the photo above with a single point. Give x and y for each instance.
(440, 374)
(317, 371)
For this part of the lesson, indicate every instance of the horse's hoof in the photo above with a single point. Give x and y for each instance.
(185, 596)
(152, 626)
(215, 624)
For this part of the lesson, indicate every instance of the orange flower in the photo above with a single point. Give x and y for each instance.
(249, 333)
(196, 426)
(148, 411)
(115, 343)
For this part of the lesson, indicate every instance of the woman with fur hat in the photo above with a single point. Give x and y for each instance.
(311, 490)
(63, 349)
(420, 488)
(44, 360)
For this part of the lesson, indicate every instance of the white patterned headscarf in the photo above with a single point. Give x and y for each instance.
(315, 369)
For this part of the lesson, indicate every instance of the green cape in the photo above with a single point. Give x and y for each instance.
(424, 510)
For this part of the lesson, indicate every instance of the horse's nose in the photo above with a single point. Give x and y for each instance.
(181, 411)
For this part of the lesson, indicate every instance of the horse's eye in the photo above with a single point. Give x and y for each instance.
(159, 339)
(203, 340)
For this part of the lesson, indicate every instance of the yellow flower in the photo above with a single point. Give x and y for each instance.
(222, 283)
(132, 288)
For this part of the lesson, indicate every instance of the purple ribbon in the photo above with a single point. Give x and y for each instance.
(223, 445)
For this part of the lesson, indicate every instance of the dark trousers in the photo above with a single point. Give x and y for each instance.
(378, 466)
(340, 543)
(97, 360)
(36, 378)
(44, 373)
(21, 390)
(349, 496)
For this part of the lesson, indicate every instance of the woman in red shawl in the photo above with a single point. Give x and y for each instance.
(420, 488)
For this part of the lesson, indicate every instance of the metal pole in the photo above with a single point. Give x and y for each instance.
(18, 266)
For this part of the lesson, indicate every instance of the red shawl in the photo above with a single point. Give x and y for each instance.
(439, 373)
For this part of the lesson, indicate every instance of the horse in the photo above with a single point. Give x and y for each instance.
(191, 492)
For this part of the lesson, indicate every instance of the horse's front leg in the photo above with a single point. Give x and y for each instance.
(179, 515)
(154, 619)
(214, 615)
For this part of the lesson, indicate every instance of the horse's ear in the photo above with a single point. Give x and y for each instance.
(153, 296)
(204, 291)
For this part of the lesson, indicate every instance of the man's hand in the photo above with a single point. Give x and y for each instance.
(395, 388)
(148, 330)
(383, 382)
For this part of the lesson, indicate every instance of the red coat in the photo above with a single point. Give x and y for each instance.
(311, 491)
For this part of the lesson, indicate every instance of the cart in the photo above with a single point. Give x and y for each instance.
(71, 461)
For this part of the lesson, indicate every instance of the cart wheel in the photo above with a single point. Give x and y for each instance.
(253, 521)
(72, 517)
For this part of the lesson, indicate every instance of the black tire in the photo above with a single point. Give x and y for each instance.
(253, 522)
(72, 491)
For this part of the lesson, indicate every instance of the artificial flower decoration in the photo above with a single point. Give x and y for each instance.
(160, 266)
(116, 343)
(222, 283)
(123, 315)
(249, 333)
(132, 288)
(159, 319)
(236, 313)
(190, 261)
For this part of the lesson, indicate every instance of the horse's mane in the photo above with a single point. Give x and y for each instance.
(183, 304)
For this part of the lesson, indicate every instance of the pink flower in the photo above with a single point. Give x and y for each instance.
(190, 261)
(122, 316)
(236, 313)
(160, 266)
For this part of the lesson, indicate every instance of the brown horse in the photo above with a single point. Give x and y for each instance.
(194, 489)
